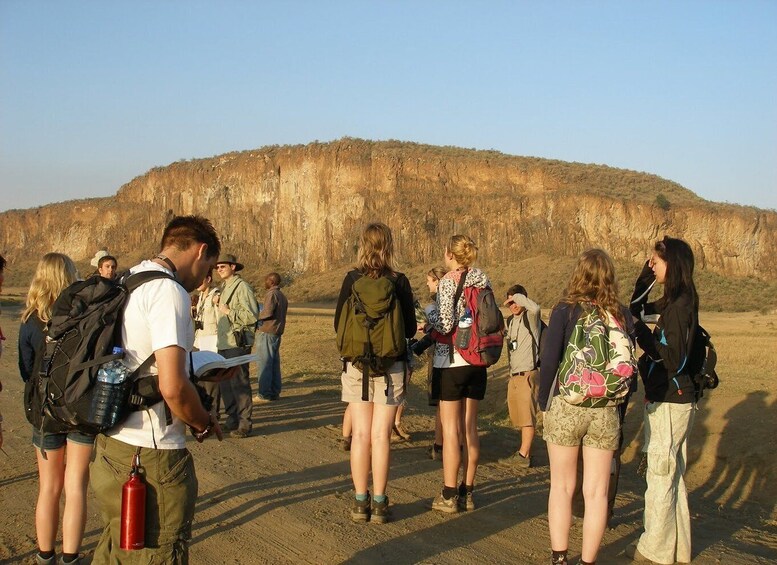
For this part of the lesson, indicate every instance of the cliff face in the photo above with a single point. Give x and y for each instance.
(300, 209)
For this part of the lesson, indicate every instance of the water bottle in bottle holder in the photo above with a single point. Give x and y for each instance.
(464, 330)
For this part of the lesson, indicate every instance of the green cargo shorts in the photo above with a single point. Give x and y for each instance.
(171, 493)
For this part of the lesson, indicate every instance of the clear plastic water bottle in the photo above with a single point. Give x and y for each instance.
(464, 329)
(107, 402)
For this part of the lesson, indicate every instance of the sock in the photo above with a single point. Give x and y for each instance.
(522, 455)
(379, 498)
(69, 557)
(362, 497)
(449, 492)
(559, 556)
(587, 562)
(437, 447)
(469, 488)
(462, 490)
(46, 554)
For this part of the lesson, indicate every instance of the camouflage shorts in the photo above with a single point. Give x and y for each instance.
(570, 425)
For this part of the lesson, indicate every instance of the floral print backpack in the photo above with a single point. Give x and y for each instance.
(598, 364)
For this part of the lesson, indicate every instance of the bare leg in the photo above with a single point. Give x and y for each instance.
(76, 480)
(596, 480)
(563, 475)
(347, 421)
(527, 437)
(472, 440)
(382, 422)
(51, 472)
(450, 417)
(437, 427)
(361, 420)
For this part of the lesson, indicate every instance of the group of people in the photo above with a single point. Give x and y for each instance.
(456, 387)
(163, 319)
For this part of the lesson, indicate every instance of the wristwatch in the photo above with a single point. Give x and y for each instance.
(200, 436)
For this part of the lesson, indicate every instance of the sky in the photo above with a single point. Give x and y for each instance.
(93, 93)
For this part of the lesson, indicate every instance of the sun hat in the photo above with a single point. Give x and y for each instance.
(231, 260)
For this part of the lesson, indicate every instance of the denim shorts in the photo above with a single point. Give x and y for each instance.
(56, 441)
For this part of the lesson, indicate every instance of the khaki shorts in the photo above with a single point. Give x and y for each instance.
(378, 393)
(569, 425)
(522, 399)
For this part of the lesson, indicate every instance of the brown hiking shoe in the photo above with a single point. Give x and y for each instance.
(517, 460)
(380, 512)
(360, 511)
(447, 505)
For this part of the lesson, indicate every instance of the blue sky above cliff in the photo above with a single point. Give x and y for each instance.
(93, 94)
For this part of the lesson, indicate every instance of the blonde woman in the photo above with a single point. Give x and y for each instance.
(462, 386)
(567, 426)
(63, 459)
(372, 420)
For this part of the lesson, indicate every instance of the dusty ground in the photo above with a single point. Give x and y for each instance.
(281, 495)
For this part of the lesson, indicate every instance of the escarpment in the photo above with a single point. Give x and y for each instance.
(300, 208)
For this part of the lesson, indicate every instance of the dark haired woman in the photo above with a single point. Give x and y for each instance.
(670, 400)
(373, 420)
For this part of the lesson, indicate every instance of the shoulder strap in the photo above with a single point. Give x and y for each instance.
(133, 281)
(234, 290)
(534, 347)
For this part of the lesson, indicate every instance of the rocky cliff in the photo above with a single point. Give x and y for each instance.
(300, 209)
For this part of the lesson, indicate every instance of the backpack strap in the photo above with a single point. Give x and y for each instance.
(534, 346)
(456, 297)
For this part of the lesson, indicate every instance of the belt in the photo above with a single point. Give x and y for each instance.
(522, 373)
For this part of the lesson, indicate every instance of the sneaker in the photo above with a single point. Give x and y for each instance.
(345, 443)
(50, 561)
(466, 502)
(447, 505)
(259, 399)
(380, 513)
(360, 511)
(228, 427)
(560, 560)
(76, 561)
(400, 431)
(240, 433)
(517, 460)
(435, 452)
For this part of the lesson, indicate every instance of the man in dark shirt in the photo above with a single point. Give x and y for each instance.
(272, 322)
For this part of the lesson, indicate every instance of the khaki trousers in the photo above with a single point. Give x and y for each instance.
(171, 492)
(667, 536)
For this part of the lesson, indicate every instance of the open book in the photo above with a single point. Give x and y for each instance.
(209, 365)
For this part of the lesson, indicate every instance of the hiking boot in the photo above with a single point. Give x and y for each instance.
(76, 561)
(517, 460)
(447, 505)
(259, 399)
(466, 502)
(345, 443)
(559, 560)
(400, 431)
(41, 561)
(360, 511)
(380, 512)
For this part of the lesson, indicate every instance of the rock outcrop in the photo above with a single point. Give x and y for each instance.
(300, 209)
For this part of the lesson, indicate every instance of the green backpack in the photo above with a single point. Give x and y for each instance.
(598, 364)
(371, 330)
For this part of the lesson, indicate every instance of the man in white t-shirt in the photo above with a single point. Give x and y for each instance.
(157, 320)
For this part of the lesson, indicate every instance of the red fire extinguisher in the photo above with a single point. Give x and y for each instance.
(133, 509)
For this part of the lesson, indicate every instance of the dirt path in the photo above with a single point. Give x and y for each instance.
(282, 494)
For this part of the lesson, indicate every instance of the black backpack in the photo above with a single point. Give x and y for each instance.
(85, 327)
(537, 343)
(702, 359)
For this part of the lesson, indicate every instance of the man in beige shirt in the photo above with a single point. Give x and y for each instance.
(272, 322)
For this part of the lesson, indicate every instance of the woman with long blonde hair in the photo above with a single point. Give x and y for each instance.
(63, 459)
(592, 287)
(461, 386)
(372, 420)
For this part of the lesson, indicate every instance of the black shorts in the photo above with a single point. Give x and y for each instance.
(463, 382)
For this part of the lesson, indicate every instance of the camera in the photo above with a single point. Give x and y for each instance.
(710, 380)
(512, 345)
(418, 346)
(198, 325)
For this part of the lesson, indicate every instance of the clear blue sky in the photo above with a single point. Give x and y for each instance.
(94, 93)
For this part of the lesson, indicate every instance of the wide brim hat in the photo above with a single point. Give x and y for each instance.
(97, 256)
(231, 260)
